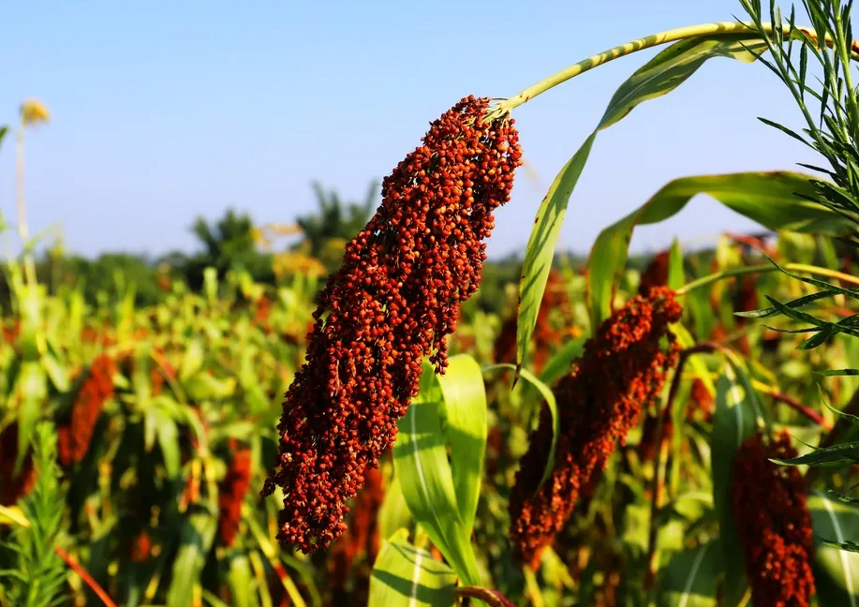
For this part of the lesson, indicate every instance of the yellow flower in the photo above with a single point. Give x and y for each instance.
(33, 112)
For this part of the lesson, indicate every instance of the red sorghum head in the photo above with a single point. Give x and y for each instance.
(622, 370)
(97, 387)
(774, 524)
(233, 490)
(394, 301)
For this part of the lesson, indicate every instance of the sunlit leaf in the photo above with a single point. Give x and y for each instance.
(769, 198)
(421, 464)
(836, 571)
(406, 576)
(198, 533)
(465, 409)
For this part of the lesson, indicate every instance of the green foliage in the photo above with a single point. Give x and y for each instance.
(37, 574)
(406, 576)
(661, 75)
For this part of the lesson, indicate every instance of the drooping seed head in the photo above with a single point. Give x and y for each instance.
(622, 370)
(394, 300)
(771, 512)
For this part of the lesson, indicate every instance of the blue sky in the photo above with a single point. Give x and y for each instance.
(162, 111)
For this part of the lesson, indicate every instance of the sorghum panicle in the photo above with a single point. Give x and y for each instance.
(394, 300)
(622, 370)
(774, 524)
(232, 492)
(74, 439)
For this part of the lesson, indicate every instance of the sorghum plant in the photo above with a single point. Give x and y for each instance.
(769, 503)
(622, 371)
(97, 387)
(392, 302)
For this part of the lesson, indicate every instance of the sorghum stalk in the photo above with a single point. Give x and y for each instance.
(726, 28)
(394, 300)
(622, 370)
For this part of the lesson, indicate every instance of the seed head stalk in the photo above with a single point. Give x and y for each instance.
(725, 28)
(792, 267)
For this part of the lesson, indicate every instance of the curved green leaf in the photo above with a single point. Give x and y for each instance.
(394, 512)
(541, 248)
(562, 360)
(769, 198)
(659, 76)
(406, 576)
(690, 578)
(420, 463)
(836, 572)
(549, 398)
(733, 423)
(467, 427)
(673, 66)
(198, 533)
(676, 276)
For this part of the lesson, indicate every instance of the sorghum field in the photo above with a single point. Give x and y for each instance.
(381, 416)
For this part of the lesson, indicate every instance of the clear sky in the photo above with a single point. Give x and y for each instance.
(165, 110)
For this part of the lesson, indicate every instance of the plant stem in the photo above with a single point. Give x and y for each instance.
(23, 229)
(794, 267)
(86, 577)
(725, 28)
(493, 598)
(659, 465)
(794, 404)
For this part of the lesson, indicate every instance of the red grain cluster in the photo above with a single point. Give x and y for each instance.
(394, 300)
(622, 370)
(774, 524)
(545, 335)
(74, 438)
(233, 490)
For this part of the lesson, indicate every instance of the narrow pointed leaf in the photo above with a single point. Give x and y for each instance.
(541, 248)
(836, 455)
